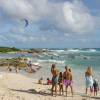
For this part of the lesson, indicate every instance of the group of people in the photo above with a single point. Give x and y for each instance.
(61, 79)
(65, 78)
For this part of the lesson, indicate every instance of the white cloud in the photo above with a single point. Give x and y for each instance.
(26, 39)
(71, 17)
(20, 9)
(77, 17)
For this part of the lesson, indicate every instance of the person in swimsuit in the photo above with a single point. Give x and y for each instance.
(95, 87)
(60, 82)
(54, 72)
(89, 79)
(40, 81)
(67, 76)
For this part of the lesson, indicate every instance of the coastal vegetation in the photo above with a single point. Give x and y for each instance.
(8, 49)
(17, 50)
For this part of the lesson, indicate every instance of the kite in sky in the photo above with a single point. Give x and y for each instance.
(26, 22)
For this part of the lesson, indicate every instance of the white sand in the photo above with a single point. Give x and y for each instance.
(18, 87)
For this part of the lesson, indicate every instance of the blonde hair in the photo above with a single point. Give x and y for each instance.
(89, 71)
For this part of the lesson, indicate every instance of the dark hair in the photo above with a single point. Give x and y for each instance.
(70, 69)
(48, 79)
(53, 65)
(66, 67)
(60, 74)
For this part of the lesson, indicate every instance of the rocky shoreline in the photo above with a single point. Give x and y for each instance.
(17, 64)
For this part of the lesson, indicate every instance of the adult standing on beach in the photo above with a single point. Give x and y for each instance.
(67, 77)
(55, 73)
(89, 79)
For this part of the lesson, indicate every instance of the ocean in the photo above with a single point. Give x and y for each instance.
(77, 59)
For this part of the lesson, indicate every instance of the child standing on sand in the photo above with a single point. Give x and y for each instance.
(60, 82)
(95, 87)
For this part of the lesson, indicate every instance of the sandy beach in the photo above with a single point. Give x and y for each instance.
(19, 87)
(49, 49)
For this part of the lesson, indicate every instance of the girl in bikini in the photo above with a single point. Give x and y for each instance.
(60, 82)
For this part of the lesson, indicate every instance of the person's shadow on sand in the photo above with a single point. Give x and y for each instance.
(33, 91)
(87, 96)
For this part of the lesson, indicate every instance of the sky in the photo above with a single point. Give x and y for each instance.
(50, 23)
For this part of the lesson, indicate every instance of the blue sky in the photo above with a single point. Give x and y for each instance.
(51, 23)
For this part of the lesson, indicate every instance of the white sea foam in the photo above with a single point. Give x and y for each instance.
(59, 51)
(92, 50)
(55, 54)
(35, 63)
(81, 50)
(52, 61)
(73, 50)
